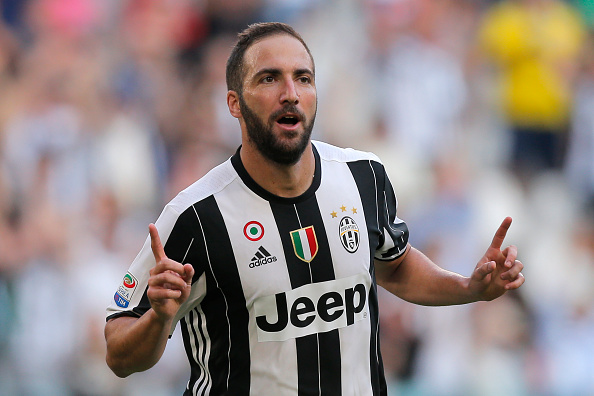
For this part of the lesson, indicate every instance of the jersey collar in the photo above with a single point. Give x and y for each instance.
(260, 191)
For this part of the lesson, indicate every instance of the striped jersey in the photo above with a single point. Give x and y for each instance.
(284, 298)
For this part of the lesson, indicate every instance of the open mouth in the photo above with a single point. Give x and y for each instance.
(288, 119)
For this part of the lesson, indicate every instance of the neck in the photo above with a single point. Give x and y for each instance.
(287, 181)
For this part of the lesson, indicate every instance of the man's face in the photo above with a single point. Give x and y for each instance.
(279, 101)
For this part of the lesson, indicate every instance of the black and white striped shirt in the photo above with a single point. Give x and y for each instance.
(284, 299)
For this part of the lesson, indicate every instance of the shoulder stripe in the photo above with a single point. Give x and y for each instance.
(329, 152)
(212, 183)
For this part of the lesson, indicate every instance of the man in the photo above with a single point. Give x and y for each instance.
(535, 47)
(270, 261)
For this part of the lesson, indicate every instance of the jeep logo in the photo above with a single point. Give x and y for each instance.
(313, 308)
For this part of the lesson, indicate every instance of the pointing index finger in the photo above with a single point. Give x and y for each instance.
(156, 245)
(501, 233)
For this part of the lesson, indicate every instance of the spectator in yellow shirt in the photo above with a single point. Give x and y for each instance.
(534, 45)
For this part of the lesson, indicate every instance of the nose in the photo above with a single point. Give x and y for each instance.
(289, 93)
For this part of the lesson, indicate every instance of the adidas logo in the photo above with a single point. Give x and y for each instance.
(262, 257)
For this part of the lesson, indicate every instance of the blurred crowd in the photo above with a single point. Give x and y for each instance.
(479, 109)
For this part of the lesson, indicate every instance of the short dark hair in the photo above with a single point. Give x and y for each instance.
(253, 33)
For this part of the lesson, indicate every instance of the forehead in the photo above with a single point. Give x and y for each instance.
(280, 51)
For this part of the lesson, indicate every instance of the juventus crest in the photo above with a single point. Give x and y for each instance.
(349, 234)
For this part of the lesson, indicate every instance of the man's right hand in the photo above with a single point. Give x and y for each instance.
(169, 286)
(170, 282)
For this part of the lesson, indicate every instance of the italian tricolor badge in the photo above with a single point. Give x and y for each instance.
(305, 243)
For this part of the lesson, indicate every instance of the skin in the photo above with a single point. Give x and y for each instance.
(279, 73)
(415, 278)
(137, 344)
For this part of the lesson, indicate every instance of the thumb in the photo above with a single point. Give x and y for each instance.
(188, 273)
(483, 270)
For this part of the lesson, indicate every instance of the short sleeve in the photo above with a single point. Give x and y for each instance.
(393, 230)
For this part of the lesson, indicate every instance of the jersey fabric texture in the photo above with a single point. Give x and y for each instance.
(284, 298)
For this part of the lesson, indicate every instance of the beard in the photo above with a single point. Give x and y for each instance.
(267, 143)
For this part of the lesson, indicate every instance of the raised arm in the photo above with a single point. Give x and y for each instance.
(415, 278)
(137, 344)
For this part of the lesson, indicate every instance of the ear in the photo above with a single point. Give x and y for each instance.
(233, 104)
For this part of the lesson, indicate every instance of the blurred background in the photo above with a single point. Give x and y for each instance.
(479, 110)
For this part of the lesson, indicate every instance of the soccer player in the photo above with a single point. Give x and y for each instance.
(270, 262)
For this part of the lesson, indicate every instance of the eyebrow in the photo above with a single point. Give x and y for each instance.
(304, 71)
(271, 71)
(278, 72)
